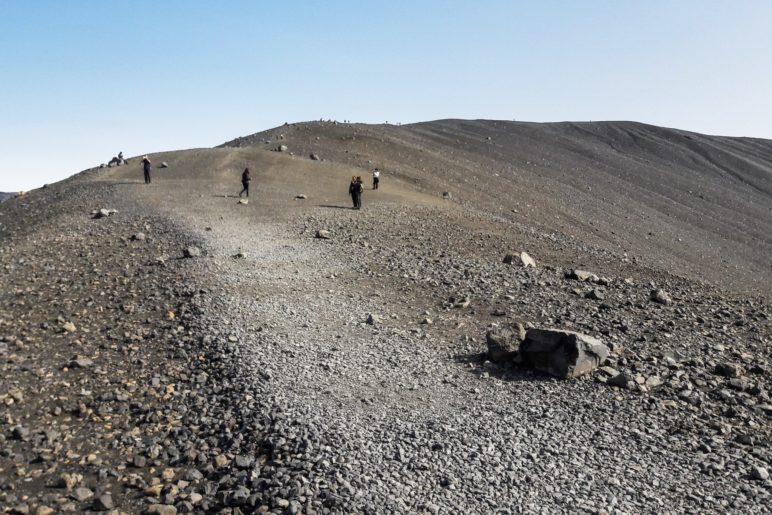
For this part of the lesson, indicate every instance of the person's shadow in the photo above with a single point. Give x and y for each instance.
(326, 206)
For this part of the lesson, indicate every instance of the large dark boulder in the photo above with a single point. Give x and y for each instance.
(563, 354)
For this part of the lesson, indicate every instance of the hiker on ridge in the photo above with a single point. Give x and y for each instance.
(376, 178)
(245, 179)
(146, 167)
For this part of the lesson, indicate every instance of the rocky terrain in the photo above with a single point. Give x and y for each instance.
(6, 196)
(181, 351)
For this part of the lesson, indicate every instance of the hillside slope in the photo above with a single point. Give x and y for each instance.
(185, 351)
(694, 204)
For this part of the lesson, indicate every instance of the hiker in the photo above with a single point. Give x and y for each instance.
(355, 190)
(376, 178)
(120, 156)
(146, 168)
(245, 178)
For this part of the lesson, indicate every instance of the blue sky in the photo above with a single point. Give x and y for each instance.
(81, 80)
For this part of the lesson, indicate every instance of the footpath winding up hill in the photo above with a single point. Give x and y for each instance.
(190, 353)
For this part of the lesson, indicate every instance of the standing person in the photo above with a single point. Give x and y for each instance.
(376, 178)
(146, 167)
(355, 190)
(245, 179)
(360, 188)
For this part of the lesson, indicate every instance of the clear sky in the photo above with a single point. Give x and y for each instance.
(81, 80)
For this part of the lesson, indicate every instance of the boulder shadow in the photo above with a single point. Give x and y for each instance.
(508, 372)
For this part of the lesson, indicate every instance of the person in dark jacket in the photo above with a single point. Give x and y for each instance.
(245, 180)
(146, 167)
(355, 190)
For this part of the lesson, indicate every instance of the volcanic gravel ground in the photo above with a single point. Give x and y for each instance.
(273, 371)
(405, 416)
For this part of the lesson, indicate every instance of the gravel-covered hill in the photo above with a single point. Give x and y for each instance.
(695, 204)
(6, 196)
(182, 351)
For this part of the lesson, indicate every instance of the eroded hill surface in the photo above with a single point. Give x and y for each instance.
(694, 204)
(186, 352)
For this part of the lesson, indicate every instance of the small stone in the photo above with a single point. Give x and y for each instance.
(44, 510)
(739, 383)
(81, 362)
(759, 473)
(81, 494)
(594, 295)
(243, 201)
(283, 148)
(653, 382)
(242, 462)
(20, 433)
(69, 327)
(193, 475)
(728, 370)
(660, 296)
(522, 259)
(191, 252)
(373, 319)
(68, 481)
(164, 164)
(609, 371)
(160, 509)
(583, 276)
(16, 394)
(301, 197)
(220, 461)
(167, 474)
(621, 380)
(323, 234)
(104, 502)
(140, 236)
(314, 157)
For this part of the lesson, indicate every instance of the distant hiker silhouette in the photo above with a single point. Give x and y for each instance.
(146, 167)
(245, 179)
(376, 178)
(355, 190)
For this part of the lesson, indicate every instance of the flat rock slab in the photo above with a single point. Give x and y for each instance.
(564, 354)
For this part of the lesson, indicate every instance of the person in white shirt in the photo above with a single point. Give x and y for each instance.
(376, 178)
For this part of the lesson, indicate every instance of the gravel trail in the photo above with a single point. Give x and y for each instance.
(392, 417)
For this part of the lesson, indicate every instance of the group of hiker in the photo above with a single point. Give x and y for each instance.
(355, 189)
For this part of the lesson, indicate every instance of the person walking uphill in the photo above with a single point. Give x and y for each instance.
(146, 167)
(245, 180)
(355, 190)
(376, 178)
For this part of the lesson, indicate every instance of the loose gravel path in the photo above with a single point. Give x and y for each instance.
(391, 417)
